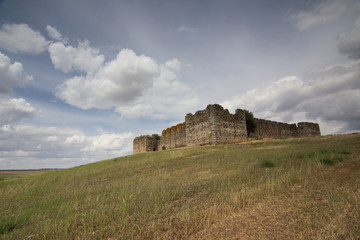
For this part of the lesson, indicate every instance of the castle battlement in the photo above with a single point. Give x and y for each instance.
(216, 125)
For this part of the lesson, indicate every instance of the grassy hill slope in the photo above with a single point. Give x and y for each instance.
(309, 185)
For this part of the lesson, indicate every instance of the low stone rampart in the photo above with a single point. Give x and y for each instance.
(271, 129)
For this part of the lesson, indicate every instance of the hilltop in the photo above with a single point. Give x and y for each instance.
(300, 188)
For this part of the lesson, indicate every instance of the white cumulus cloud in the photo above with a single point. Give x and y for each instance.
(69, 58)
(330, 96)
(55, 34)
(117, 82)
(109, 143)
(11, 74)
(15, 109)
(167, 97)
(21, 38)
(133, 85)
(28, 146)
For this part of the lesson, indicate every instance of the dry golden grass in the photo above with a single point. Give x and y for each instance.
(324, 206)
(210, 192)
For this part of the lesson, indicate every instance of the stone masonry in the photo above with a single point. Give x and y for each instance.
(216, 125)
(145, 143)
(272, 129)
(308, 129)
(173, 137)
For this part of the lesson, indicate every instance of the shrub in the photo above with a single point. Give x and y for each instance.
(250, 122)
(156, 136)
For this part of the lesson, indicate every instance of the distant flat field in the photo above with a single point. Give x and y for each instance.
(7, 174)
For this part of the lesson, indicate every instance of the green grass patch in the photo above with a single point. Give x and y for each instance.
(267, 164)
(332, 156)
(327, 161)
(329, 156)
(8, 226)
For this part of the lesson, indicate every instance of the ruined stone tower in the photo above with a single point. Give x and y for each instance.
(145, 143)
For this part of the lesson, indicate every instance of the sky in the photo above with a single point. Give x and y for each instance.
(80, 79)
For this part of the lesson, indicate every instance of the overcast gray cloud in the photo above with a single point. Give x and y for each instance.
(11, 74)
(349, 42)
(325, 12)
(20, 38)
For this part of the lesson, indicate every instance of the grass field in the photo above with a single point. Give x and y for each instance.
(8, 174)
(306, 188)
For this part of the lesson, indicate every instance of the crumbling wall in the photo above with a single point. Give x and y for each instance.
(173, 137)
(306, 129)
(200, 127)
(229, 128)
(272, 129)
(215, 125)
(145, 143)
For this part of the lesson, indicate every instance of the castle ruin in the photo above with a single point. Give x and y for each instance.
(216, 125)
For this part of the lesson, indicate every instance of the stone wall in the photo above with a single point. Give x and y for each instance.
(230, 128)
(215, 125)
(173, 137)
(272, 129)
(200, 127)
(145, 143)
(306, 129)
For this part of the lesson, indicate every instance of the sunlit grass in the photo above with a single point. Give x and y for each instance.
(163, 195)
